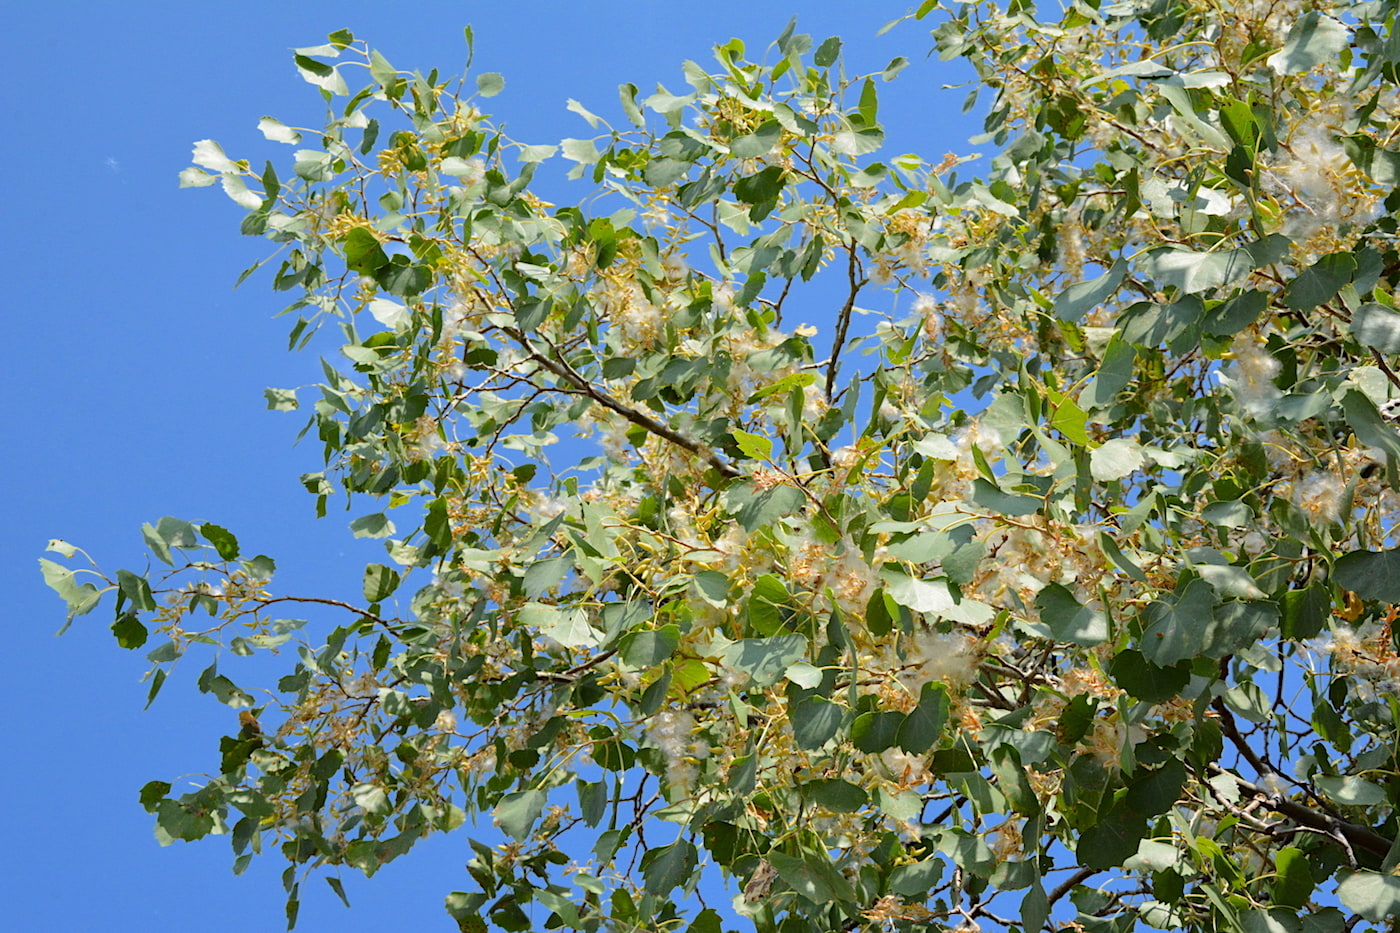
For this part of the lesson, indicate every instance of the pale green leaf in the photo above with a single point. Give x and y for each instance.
(765, 660)
(569, 627)
(1115, 459)
(324, 76)
(238, 192)
(1351, 791)
(1377, 327)
(389, 313)
(274, 130)
(210, 155)
(281, 399)
(80, 597)
(804, 675)
(195, 178)
(371, 798)
(1375, 897)
(916, 594)
(582, 151)
(1314, 39)
(593, 119)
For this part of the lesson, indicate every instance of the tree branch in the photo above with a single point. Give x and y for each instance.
(843, 322)
(570, 375)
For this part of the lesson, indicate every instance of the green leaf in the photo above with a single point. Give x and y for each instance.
(1114, 373)
(1294, 883)
(1370, 574)
(1078, 300)
(760, 188)
(754, 508)
(137, 590)
(1152, 793)
(363, 254)
(339, 888)
(764, 613)
(543, 576)
(1143, 680)
(875, 732)
(1314, 39)
(1320, 282)
(1231, 513)
(1382, 165)
(993, 499)
(1377, 327)
(713, 587)
(320, 74)
(1370, 428)
(827, 53)
(758, 143)
(1232, 316)
(1192, 271)
(1375, 897)
(152, 793)
(129, 631)
(516, 813)
(372, 526)
(812, 876)
(918, 595)
(1035, 907)
(1305, 611)
(765, 660)
(1177, 626)
(582, 151)
(1068, 418)
(753, 446)
(648, 649)
(814, 721)
(275, 131)
(1237, 624)
(916, 879)
(223, 540)
(923, 726)
(1111, 841)
(665, 868)
(835, 794)
(627, 94)
(379, 582)
(1068, 620)
(1229, 581)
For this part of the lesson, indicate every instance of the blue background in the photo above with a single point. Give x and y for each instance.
(133, 381)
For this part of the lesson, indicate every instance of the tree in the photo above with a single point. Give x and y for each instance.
(1017, 551)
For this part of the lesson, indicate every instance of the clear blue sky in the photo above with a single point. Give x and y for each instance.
(135, 373)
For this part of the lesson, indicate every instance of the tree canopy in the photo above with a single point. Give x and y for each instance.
(907, 550)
